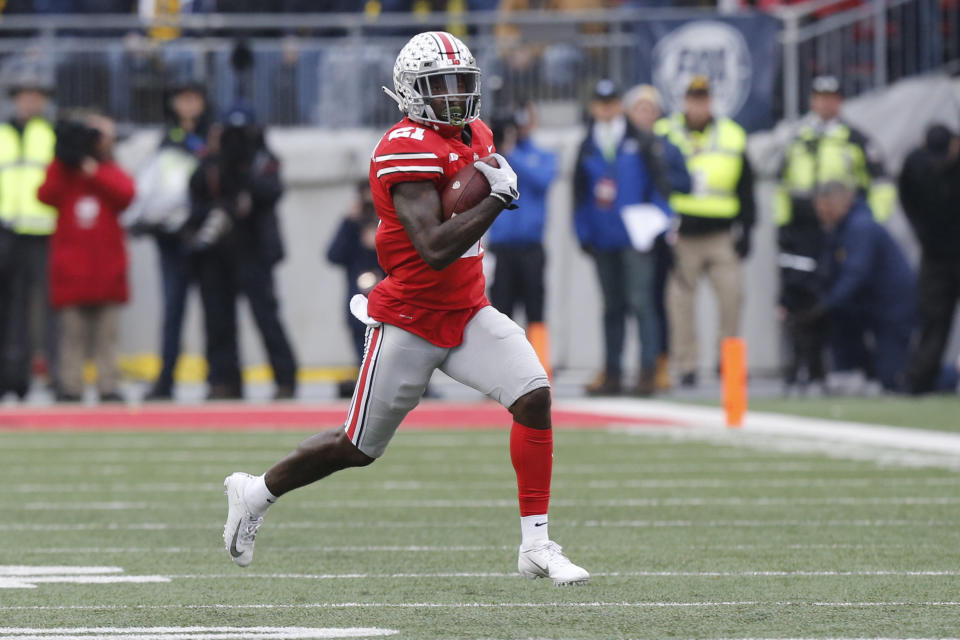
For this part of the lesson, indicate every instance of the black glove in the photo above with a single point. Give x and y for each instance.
(811, 315)
(742, 244)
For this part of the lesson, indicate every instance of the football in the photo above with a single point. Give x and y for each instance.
(466, 189)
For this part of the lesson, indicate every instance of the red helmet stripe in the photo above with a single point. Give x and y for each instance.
(447, 47)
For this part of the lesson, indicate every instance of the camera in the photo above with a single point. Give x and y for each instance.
(75, 141)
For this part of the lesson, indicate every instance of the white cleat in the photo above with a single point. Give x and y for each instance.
(548, 561)
(241, 528)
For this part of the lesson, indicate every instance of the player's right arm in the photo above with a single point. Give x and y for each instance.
(440, 243)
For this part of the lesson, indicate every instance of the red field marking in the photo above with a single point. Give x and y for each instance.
(238, 416)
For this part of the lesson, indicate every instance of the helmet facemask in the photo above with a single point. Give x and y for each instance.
(447, 96)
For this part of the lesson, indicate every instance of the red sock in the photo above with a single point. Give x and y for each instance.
(531, 451)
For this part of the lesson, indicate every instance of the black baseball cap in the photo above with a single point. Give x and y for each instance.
(606, 89)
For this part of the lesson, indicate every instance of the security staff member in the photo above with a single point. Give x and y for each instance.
(827, 148)
(716, 218)
(26, 148)
(824, 149)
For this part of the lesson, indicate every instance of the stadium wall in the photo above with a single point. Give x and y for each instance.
(321, 167)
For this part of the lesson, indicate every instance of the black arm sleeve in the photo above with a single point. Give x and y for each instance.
(581, 187)
(748, 205)
(871, 153)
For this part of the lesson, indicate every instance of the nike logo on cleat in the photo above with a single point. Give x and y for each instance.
(233, 544)
(539, 524)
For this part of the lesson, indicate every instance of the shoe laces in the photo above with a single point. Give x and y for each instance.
(554, 553)
(248, 531)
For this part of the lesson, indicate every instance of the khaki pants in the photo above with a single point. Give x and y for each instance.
(712, 254)
(84, 330)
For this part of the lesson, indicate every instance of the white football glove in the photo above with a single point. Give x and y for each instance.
(502, 179)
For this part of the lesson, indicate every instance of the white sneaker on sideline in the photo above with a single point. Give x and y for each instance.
(241, 528)
(547, 561)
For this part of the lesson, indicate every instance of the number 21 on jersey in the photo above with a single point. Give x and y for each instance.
(415, 133)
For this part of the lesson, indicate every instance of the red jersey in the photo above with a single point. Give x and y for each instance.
(435, 305)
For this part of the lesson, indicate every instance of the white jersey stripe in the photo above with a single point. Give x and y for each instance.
(358, 390)
(361, 423)
(358, 406)
(413, 169)
(405, 156)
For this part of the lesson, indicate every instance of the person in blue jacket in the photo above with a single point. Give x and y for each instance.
(870, 288)
(517, 240)
(614, 170)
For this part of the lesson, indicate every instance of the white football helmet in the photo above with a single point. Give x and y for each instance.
(435, 66)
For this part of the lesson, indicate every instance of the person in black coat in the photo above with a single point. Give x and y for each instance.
(930, 192)
(236, 236)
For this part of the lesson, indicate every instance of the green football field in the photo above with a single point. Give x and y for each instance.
(105, 533)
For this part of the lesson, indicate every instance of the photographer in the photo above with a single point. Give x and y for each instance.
(235, 235)
(88, 259)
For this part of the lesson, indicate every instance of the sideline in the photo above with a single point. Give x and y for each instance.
(711, 419)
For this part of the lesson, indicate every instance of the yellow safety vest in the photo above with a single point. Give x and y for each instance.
(715, 163)
(814, 158)
(23, 168)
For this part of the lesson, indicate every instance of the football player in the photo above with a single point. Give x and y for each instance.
(430, 312)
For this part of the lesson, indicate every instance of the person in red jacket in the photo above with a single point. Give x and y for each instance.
(88, 257)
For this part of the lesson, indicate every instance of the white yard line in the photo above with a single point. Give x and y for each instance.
(500, 504)
(609, 574)
(433, 524)
(28, 577)
(940, 442)
(482, 605)
(397, 549)
(189, 633)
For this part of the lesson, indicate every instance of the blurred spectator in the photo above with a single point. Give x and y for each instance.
(643, 109)
(236, 234)
(614, 172)
(824, 148)
(88, 259)
(26, 148)
(161, 210)
(452, 10)
(930, 191)
(354, 248)
(870, 288)
(517, 239)
(716, 219)
(533, 54)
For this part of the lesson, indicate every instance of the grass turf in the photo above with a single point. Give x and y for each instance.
(685, 539)
(928, 412)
